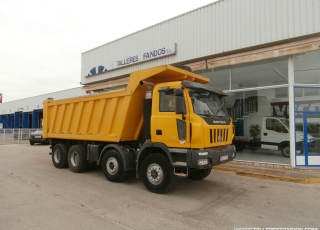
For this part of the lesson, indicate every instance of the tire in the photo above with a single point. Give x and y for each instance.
(199, 174)
(31, 143)
(157, 174)
(286, 151)
(77, 159)
(60, 156)
(113, 166)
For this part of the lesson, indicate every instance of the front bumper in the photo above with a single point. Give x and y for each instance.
(197, 158)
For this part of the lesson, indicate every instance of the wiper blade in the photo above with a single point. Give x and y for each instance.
(221, 111)
(205, 114)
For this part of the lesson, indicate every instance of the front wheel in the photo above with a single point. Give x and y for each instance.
(156, 173)
(199, 174)
(286, 151)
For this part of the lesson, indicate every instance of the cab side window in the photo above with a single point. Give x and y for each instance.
(167, 101)
(271, 124)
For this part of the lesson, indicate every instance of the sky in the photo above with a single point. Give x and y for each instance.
(41, 41)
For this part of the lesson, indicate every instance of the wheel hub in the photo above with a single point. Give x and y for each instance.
(155, 174)
(75, 159)
(57, 156)
(112, 166)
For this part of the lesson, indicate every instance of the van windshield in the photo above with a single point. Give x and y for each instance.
(208, 104)
(285, 122)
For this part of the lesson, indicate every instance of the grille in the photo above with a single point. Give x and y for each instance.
(219, 135)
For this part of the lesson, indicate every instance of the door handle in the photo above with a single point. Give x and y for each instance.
(158, 132)
(265, 134)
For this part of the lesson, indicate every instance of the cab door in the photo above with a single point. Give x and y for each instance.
(273, 133)
(168, 127)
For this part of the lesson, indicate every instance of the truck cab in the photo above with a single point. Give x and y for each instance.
(191, 120)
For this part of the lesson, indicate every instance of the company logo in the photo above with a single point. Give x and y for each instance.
(219, 122)
(219, 138)
(162, 51)
(96, 70)
(155, 53)
(308, 106)
(128, 61)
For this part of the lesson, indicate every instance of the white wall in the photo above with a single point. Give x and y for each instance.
(34, 103)
(214, 29)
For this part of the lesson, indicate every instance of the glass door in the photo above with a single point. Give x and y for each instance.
(309, 147)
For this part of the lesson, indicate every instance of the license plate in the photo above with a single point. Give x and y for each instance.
(37, 136)
(224, 158)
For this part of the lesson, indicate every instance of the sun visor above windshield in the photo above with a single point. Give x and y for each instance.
(196, 85)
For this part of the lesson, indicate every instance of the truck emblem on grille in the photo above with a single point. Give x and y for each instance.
(219, 138)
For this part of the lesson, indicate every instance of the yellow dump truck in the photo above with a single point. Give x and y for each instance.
(166, 122)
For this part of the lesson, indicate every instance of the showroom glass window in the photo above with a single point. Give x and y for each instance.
(307, 69)
(267, 72)
(219, 77)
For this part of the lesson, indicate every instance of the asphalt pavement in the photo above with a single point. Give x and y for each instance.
(34, 195)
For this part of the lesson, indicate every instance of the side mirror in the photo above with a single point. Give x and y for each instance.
(178, 92)
(180, 106)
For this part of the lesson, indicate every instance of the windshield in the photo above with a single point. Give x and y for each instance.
(209, 104)
(285, 122)
(37, 132)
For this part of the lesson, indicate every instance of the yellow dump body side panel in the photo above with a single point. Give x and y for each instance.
(112, 116)
(100, 117)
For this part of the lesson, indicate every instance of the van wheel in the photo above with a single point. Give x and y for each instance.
(286, 151)
(199, 174)
(156, 173)
(113, 166)
(77, 159)
(60, 156)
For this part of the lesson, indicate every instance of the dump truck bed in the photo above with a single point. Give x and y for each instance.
(112, 116)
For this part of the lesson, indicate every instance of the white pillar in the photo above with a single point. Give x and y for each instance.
(291, 111)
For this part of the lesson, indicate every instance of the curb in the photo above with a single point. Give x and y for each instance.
(240, 172)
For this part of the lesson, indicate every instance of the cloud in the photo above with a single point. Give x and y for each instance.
(42, 40)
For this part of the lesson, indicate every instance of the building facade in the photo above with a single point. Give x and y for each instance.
(27, 113)
(264, 54)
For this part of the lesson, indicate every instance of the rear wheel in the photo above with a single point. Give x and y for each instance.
(286, 151)
(31, 143)
(157, 173)
(199, 174)
(77, 159)
(59, 155)
(113, 166)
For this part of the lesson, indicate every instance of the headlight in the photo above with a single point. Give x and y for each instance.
(202, 161)
(310, 141)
